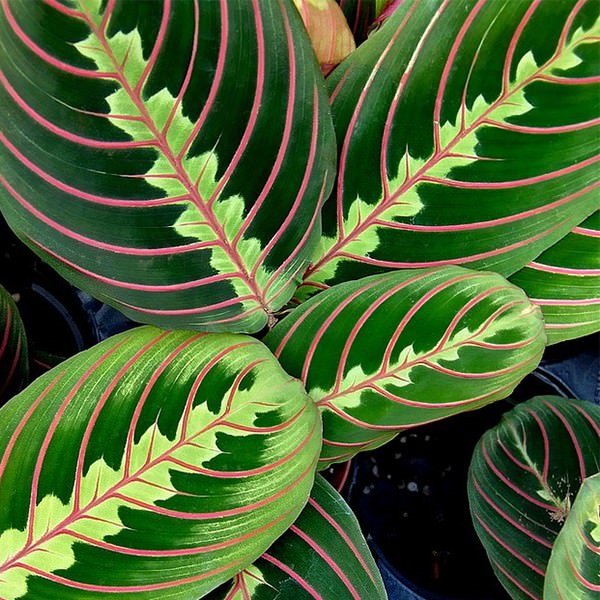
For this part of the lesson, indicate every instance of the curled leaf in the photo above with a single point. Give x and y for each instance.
(14, 366)
(523, 480)
(328, 30)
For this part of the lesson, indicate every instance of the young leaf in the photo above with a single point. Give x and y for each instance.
(523, 479)
(14, 366)
(154, 465)
(397, 350)
(468, 133)
(328, 30)
(565, 282)
(323, 555)
(168, 157)
(574, 565)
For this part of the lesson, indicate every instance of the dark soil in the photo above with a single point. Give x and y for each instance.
(410, 497)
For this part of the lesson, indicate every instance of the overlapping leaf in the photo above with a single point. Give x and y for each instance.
(468, 133)
(574, 565)
(565, 282)
(396, 350)
(154, 465)
(523, 479)
(323, 555)
(361, 15)
(168, 157)
(14, 367)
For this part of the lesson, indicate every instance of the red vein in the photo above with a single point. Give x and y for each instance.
(344, 239)
(328, 560)
(293, 574)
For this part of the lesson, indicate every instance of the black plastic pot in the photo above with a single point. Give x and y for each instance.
(59, 319)
(410, 497)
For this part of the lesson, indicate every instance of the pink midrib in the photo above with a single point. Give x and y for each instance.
(113, 491)
(367, 222)
(181, 174)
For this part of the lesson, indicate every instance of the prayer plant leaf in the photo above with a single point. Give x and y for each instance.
(397, 350)
(468, 133)
(14, 366)
(565, 282)
(524, 476)
(574, 565)
(153, 465)
(323, 555)
(168, 157)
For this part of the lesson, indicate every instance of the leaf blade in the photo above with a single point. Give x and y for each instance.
(170, 216)
(565, 282)
(574, 564)
(393, 351)
(444, 118)
(144, 454)
(14, 364)
(523, 478)
(324, 555)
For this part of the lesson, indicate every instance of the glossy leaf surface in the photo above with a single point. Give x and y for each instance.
(14, 366)
(323, 555)
(168, 157)
(523, 479)
(154, 465)
(397, 350)
(565, 282)
(574, 566)
(468, 133)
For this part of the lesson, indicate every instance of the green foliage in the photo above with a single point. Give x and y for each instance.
(522, 484)
(177, 160)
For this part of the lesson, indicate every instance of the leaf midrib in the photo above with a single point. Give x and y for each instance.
(423, 359)
(420, 174)
(175, 162)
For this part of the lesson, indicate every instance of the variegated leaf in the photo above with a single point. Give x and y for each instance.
(574, 566)
(323, 556)
(565, 282)
(468, 133)
(14, 366)
(393, 351)
(523, 479)
(168, 157)
(154, 465)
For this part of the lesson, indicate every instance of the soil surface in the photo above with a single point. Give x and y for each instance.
(410, 497)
